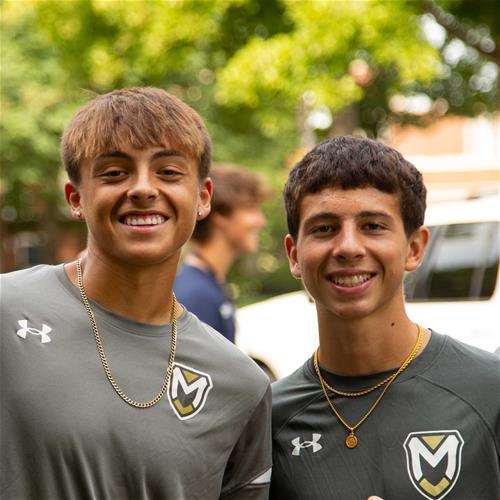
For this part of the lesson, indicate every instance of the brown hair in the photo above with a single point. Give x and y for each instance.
(350, 163)
(142, 117)
(234, 187)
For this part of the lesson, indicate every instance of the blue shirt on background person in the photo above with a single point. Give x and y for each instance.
(228, 229)
(204, 296)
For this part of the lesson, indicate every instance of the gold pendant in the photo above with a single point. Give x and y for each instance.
(351, 441)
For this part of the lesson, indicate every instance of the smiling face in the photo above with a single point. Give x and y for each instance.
(140, 205)
(351, 252)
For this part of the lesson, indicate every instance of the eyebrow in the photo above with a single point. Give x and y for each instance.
(166, 152)
(121, 154)
(374, 213)
(113, 154)
(361, 215)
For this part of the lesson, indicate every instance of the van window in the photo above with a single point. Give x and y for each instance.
(461, 263)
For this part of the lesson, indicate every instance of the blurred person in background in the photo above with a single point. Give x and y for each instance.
(384, 406)
(111, 389)
(230, 230)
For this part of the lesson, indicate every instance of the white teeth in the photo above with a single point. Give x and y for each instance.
(351, 280)
(150, 220)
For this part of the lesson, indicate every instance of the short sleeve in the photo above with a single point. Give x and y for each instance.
(248, 471)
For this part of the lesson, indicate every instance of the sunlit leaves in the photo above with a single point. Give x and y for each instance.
(315, 56)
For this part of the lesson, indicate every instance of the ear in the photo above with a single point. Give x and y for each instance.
(417, 244)
(291, 253)
(73, 198)
(206, 191)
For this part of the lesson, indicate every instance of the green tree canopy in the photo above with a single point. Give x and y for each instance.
(330, 58)
(266, 75)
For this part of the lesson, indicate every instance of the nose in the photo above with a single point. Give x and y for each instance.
(348, 244)
(143, 188)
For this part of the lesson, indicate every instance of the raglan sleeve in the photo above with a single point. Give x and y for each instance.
(248, 471)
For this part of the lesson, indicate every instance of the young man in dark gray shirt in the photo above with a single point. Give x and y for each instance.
(385, 406)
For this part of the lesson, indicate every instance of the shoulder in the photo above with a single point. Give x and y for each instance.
(292, 394)
(33, 297)
(468, 373)
(26, 281)
(187, 270)
(192, 283)
(27, 274)
(191, 276)
(457, 357)
(223, 358)
(294, 386)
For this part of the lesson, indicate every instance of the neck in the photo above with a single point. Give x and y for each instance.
(366, 345)
(215, 256)
(142, 293)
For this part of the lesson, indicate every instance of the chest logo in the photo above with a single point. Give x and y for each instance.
(433, 459)
(298, 446)
(188, 391)
(25, 329)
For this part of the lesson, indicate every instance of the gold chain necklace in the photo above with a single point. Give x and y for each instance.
(351, 441)
(102, 355)
(366, 391)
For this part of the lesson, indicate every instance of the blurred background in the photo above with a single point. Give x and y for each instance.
(269, 77)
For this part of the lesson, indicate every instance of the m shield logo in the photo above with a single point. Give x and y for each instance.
(188, 390)
(433, 460)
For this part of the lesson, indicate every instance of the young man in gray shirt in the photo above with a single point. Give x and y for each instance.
(384, 406)
(110, 388)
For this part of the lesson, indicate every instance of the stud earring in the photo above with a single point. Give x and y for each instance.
(78, 213)
(199, 213)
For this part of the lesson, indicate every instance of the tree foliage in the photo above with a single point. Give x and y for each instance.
(266, 75)
(317, 59)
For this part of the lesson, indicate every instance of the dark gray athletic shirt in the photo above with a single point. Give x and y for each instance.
(65, 433)
(434, 434)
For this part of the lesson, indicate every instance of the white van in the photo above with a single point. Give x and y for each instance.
(455, 291)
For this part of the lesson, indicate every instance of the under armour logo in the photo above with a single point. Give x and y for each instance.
(26, 329)
(306, 444)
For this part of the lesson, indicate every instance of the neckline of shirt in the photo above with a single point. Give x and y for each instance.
(362, 382)
(104, 315)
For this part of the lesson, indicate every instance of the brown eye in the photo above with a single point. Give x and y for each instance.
(373, 226)
(114, 175)
(324, 229)
(169, 172)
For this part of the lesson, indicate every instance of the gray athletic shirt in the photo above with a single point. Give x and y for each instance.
(435, 433)
(65, 433)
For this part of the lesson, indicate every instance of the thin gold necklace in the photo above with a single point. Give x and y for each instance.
(360, 393)
(102, 355)
(349, 394)
(351, 441)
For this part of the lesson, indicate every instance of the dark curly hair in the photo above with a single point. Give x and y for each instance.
(350, 163)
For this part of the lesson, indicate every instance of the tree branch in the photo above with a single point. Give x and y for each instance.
(456, 29)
